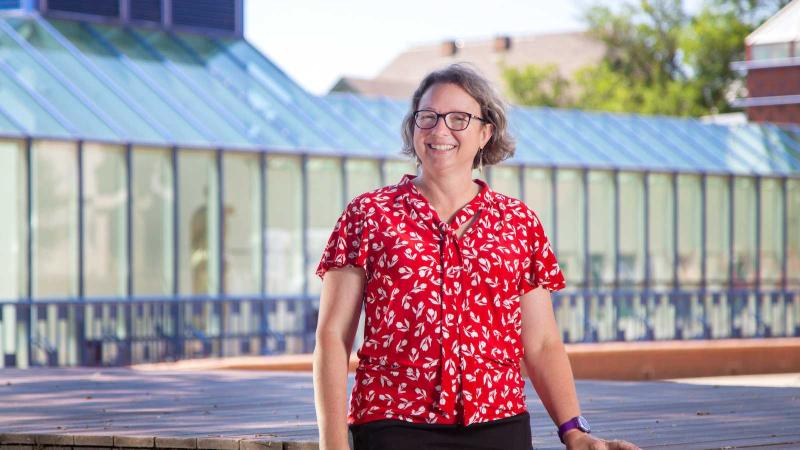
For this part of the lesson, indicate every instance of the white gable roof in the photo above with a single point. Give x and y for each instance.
(784, 26)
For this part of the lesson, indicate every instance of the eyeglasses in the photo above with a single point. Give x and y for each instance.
(455, 120)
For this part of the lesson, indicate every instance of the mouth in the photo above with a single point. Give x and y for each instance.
(440, 147)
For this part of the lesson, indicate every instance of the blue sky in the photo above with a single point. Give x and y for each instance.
(317, 41)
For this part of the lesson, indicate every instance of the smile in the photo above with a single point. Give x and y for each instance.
(441, 147)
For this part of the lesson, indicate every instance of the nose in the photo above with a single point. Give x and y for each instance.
(440, 127)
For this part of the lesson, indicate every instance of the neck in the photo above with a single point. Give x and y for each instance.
(447, 192)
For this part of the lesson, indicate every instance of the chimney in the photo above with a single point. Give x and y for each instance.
(449, 48)
(502, 44)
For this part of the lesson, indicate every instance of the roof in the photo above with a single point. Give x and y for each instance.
(784, 26)
(573, 138)
(567, 51)
(376, 87)
(80, 81)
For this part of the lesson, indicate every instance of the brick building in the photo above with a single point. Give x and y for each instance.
(772, 64)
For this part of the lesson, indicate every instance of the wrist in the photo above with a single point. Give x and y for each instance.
(577, 425)
(572, 436)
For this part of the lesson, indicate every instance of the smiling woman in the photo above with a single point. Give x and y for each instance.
(455, 280)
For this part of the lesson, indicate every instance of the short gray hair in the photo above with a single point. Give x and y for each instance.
(501, 145)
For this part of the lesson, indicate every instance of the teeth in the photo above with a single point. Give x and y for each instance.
(442, 147)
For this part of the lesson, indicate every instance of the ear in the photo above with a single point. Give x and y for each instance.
(486, 133)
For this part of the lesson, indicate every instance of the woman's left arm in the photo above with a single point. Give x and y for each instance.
(550, 372)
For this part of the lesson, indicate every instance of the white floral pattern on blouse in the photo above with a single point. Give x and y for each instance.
(442, 334)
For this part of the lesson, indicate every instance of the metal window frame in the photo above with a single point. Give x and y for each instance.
(112, 85)
(134, 68)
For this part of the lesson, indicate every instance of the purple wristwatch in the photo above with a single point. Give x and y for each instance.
(576, 422)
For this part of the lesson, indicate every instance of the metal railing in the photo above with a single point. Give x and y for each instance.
(112, 332)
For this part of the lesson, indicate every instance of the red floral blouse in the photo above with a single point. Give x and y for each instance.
(442, 334)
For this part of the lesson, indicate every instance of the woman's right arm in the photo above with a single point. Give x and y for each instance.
(339, 311)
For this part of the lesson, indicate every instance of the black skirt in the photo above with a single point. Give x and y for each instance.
(511, 433)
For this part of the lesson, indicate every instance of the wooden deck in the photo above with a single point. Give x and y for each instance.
(234, 404)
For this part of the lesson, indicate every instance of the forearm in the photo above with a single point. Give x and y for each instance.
(330, 391)
(551, 374)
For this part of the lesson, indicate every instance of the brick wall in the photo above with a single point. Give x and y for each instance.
(775, 114)
(773, 81)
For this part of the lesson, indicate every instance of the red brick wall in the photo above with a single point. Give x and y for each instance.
(775, 114)
(773, 81)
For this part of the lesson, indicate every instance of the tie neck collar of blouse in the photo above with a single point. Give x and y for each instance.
(479, 202)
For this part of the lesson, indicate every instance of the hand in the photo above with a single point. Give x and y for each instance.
(577, 440)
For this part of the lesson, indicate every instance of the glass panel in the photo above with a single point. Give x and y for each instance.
(55, 219)
(793, 232)
(657, 146)
(26, 111)
(602, 246)
(771, 51)
(242, 223)
(257, 130)
(198, 249)
(363, 175)
(771, 214)
(6, 127)
(152, 226)
(695, 147)
(324, 207)
(284, 226)
(605, 137)
(287, 91)
(39, 80)
(556, 126)
(505, 180)
(395, 169)
(375, 131)
(690, 216)
(570, 222)
(262, 94)
(110, 103)
(13, 229)
(631, 229)
(744, 231)
(215, 125)
(718, 242)
(539, 197)
(661, 229)
(108, 62)
(105, 226)
(537, 144)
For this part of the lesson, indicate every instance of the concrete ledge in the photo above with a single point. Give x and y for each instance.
(61, 440)
(682, 359)
(135, 441)
(173, 442)
(217, 444)
(17, 441)
(601, 361)
(93, 441)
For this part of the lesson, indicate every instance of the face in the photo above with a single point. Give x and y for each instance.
(441, 149)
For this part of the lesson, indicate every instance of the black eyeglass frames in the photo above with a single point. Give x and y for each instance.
(454, 120)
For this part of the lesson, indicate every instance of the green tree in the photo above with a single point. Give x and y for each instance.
(659, 58)
(537, 85)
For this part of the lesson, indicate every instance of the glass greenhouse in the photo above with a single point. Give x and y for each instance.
(168, 194)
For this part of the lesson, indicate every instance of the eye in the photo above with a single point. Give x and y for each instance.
(426, 115)
(458, 119)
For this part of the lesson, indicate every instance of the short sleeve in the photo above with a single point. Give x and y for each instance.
(540, 267)
(347, 245)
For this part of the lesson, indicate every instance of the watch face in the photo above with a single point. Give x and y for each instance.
(583, 425)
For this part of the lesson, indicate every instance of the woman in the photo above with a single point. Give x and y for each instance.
(454, 280)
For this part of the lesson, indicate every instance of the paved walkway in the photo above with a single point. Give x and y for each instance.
(242, 406)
